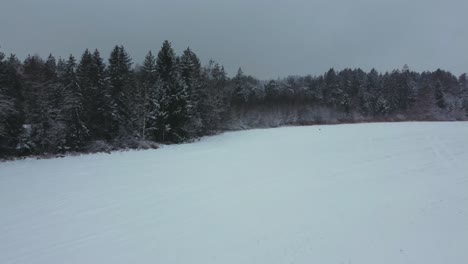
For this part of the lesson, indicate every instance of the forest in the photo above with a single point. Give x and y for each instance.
(58, 106)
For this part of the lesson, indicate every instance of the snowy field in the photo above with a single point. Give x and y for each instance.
(364, 193)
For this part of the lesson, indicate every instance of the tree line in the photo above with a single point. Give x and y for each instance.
(63, 105)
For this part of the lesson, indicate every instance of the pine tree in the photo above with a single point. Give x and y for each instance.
(214, 97)
(61, 65)
(15, 63)
(240, 92)
(271, 91)
(190, 70)
(364, 94)
(76, 132)
(84, 80)
(43, 94)
(91, 79)
(11, 114)
(100, 118)
(373, 92)
(172, 97)
(406, 89)
(463, 82)
(348, 87)
(121, 92)
(389, 101)
(149, 106)
(439, 96)
(54, 105)
(334, 95)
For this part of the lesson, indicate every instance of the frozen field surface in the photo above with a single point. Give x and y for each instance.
(365, 193)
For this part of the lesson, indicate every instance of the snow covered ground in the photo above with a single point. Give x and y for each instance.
(364, 193)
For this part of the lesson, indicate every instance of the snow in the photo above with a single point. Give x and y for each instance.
(365, 193)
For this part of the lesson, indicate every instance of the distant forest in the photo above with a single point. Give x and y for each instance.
(53, 106)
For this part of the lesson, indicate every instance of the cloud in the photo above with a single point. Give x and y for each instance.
(266, 38)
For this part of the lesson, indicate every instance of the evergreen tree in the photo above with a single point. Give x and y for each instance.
(76, 131)
(172, 98)
(121, 92)
(84, 73)
(11, 114)
(214, 98)
(91, 79)
(463, 82)
(45, 129)
(101, 112)
(15, 63)
(149, 105)
(272, 91)
(406, 89)
(245, 89)
(389, 101)
(240, 93)
(349, 83)
(372, 93)
(190, 71)
(439, 96)
(61, 65)
(54, 104)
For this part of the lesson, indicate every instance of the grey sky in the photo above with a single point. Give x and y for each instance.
(266, 38)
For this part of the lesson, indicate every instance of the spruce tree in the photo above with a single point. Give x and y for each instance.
(271, 91)
(374, 91)
(54, 103)
(83, 76)
(172, 97)
(406, 89)
(190, 70)
(91, 79)
(100, 116)
(439, 96)
(463, 82)
(121, 92)
(214, 97)
(76, 131)
(11, 114)
(240, 93)
(389, 101)
(148, 97)
(333, 92)
(43, 94)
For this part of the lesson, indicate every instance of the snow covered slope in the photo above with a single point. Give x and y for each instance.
(366, 193)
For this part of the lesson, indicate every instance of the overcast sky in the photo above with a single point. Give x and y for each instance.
(267, 39)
